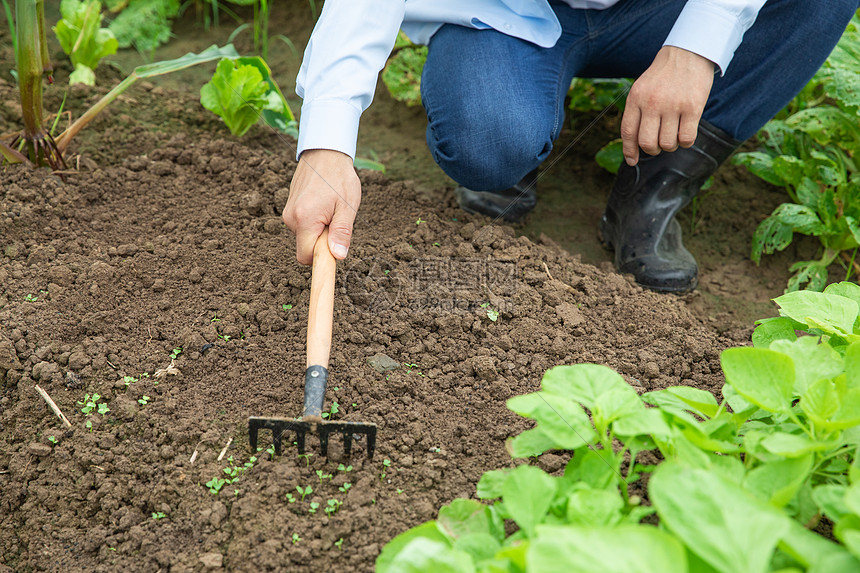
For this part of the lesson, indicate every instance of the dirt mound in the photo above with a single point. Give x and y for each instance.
(104, 275)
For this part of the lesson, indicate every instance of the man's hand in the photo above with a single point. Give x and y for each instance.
(665, 104)
(325, 191)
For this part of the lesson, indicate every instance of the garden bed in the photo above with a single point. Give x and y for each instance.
(171, 238)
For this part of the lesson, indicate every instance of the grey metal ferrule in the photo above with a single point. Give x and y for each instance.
(316, 378)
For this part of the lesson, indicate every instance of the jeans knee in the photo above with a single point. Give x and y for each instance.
(488, 155)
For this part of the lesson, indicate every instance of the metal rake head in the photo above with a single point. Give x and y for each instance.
(281, 426)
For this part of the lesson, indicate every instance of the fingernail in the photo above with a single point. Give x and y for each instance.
(630, 161)
(339, 251)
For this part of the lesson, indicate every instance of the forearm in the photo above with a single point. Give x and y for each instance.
(348, 47)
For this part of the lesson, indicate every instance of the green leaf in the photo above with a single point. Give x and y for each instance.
(852, 498)
(422, 554)
(528, 493)
(428, 531)
(562, 423)
(700, 402)
(624, 549)
(144, 24)
(593, 468)
(237, 94)
(770, 236)
(812, 360)
(718, 520)
(830, 498)
(820, 401)
(647, 422)
(82, 38)
(771, 329)
(610, 156)
(830, 312)
(794, 445)
(764, 377)
(467, 516)
(481, 546)
(852, 365)
(761, 165)
(584, 382)
(778, 482)
(846, 289)
(490, 484)
(800, 218)
(276, 113)
(594, 507)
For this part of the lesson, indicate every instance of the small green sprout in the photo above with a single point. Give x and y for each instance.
(103, 409)
(399, 491)
(291, 498)
(215, 318)
(386, 463)
(339, 544)
(335, 408)
(296, 538)
(156, 515)
(492, 313)
(304, 492)
(343, 468)
(345, 487)
(144, 400)
(53, 440)
(307, 458)
(286, 307)
(224, 337)
(89, 425)
(332, 506)
(386, 271)
(215, 485)
(31, 298)
(419, 221)
(323, 476)
(437, 244)
(129, 380)
(89, 403)
(174, 354)
(271, 450)
(314, 506)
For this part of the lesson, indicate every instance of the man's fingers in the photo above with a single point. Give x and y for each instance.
(649, 133)
(306, 238)
(669, 133)
(340, 230)
(630, 134)
(688, 130)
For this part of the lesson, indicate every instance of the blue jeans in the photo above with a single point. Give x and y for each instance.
(495, 104)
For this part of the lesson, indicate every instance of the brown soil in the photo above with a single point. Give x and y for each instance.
(170, 237)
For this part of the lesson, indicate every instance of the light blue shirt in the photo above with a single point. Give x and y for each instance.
(353, 39)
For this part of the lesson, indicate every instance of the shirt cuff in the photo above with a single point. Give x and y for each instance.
(328, 124)
(709, 31)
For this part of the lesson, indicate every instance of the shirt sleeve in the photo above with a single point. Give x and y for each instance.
(714, 28)
(348, 47)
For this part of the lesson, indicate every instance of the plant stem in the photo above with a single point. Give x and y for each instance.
(31, 39)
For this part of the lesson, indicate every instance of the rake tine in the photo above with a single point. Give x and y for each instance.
(323, 440)
(371, 442)
(253, 428)
(347, 444)
(300, 441)
(276, 438)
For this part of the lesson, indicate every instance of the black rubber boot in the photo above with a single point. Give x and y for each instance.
(639, 221)
(511, 204)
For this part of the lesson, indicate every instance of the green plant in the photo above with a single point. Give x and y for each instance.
(323, 476)
(307, 458)
(386, 463)
(242, 91)
(233, 471)
(402, 73)
(83, 39)
(286, 307)
(156, 515)
(339, 544)
(129, 380)
(91, 403)
(332, 506)
(174, 354)
(335, 408)
(740, 480)
(143, 400)
(304, 491)
(313, 507)
(291, 498)
(54, 441)
(810, 150)
(343, 468)
(31, 298)
(345, 487)
(492, 313)
(296, 538)
(144, 24)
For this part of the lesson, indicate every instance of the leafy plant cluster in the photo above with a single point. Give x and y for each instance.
(83, 39)
(810, 150)
(233, 472)
(741, 483)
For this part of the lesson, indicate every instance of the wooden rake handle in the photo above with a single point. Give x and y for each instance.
(321, 310)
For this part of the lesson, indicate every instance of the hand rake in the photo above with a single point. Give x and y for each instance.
(320, 315)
